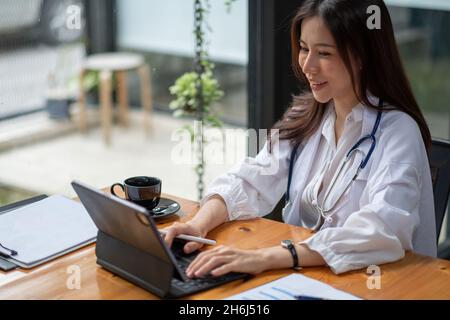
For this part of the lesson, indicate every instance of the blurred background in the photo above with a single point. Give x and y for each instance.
(41, 55)
(44, 44)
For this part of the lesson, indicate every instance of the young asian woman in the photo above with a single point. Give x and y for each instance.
(367, 203)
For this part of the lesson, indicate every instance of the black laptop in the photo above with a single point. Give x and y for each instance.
(129, 245)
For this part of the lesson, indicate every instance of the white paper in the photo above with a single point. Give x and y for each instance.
(46, 228)
(287, 288)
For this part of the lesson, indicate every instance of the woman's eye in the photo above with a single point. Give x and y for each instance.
(324, 53)
(304, 49)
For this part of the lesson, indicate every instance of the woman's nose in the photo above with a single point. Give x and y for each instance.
(309, 64)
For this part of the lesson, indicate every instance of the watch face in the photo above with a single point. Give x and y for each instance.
(286, 243)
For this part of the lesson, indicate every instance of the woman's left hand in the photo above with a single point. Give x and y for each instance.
(221, 260)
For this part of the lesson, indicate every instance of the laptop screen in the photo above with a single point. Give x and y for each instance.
(126, 222)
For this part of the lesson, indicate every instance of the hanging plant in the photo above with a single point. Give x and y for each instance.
(196, 91)
(185, 91)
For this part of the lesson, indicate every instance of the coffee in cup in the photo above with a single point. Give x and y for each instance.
(143, 191)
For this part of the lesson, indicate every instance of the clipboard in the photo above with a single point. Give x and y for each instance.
(6, 265)
(45, 230)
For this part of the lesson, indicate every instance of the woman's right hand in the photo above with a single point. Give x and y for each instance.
(184, 228)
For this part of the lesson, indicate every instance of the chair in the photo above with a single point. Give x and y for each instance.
(119, 63)
(440, 176)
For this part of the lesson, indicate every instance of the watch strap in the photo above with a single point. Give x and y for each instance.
(290, 246)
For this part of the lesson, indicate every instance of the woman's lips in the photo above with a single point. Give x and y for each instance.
(316, 86)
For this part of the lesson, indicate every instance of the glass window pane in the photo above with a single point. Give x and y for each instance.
(42, 47)
(424, 43)
(163, 31)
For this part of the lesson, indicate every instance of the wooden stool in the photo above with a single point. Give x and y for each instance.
(120, 63)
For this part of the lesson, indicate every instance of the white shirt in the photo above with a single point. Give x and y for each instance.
(386, 210)
(328, 160)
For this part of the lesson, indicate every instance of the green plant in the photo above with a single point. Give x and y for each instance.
(228, 4)
(196, 91)
(186, 92)
(91, 80)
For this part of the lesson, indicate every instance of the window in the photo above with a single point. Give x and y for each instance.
(422, 36)
(163, 32)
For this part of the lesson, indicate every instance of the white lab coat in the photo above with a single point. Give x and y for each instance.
(388, 209)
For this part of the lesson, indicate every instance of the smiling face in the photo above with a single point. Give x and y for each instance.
(322, 65)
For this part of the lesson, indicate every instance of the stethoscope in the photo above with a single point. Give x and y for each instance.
(362, 165)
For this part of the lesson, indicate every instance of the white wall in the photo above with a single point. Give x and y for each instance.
(167, 27)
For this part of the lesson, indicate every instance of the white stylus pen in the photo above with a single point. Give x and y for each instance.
(192, 238)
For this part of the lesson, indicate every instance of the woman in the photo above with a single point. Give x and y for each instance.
(367, 206)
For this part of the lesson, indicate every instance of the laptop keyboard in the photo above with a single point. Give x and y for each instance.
(198, 284)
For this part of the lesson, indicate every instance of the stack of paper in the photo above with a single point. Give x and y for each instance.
(293, 287)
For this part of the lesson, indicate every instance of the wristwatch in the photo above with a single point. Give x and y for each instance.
(290, 246)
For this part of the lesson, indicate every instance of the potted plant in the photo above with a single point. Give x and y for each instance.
(185, 91)
(63, 85)
(61, 89)
(58, 100)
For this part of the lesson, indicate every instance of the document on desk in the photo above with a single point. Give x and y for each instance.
(294, 287)
(46, 229)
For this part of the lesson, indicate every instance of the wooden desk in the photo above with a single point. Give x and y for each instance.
(414, 277)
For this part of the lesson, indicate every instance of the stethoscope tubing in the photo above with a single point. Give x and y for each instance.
(362, 165)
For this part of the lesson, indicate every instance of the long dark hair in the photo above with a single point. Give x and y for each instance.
(382, 73)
